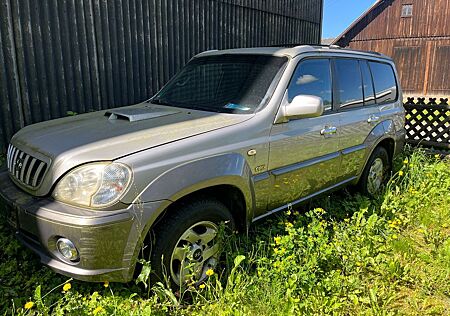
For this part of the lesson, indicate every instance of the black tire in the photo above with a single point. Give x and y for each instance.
(165, 236)
(364, 181)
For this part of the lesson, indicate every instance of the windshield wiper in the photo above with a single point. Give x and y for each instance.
(201, 108)
(185, 106)
(161, 102)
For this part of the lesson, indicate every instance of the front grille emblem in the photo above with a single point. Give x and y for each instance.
(19, 164)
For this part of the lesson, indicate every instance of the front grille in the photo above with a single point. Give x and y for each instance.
(24, 168)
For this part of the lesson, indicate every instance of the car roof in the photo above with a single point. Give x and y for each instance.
(294, 51)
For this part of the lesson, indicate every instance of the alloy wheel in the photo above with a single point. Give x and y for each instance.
(195, 252)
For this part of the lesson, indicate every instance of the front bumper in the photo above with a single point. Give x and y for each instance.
(106, 240)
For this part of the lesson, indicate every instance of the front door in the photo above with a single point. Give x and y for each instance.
(304, 153)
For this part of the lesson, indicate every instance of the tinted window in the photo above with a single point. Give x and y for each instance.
(223, 83)
(348, 74)
(312, 77)
(369, 95)
(384, 82)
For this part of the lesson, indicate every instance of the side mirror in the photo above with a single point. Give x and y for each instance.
(304, 106)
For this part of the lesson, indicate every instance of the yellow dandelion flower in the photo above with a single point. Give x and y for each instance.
(99, 309)
(344, 257)
(209, 272)
(277, 239)
(67, 287)
(106, 284)
(202, 286)
(29, 305)
(400, 173)
(405, 161)
(394, 236)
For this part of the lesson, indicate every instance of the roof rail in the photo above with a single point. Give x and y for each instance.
(331, 46)
(303, 44)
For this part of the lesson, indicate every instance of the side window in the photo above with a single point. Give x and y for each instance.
(350, 87)
(312, 77)
(384, 82)
(369, 95)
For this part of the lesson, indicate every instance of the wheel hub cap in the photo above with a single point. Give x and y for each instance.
(196, 253)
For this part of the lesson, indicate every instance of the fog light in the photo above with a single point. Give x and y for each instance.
(67, 249)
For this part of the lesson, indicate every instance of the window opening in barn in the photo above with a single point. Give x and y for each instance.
(407, 10)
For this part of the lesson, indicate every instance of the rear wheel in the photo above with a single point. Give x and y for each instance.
(376, 172)
(186, 243)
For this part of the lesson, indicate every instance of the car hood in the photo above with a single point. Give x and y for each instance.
(111, 134)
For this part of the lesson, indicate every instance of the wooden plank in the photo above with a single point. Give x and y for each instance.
(92, 56)
(13, 107)
(125, 43)
(428, 46)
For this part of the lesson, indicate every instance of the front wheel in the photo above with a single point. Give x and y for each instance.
(186, 242)
(376, 172)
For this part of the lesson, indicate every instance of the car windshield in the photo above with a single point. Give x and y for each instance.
(224, 83)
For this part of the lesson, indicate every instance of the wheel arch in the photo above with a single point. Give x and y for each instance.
(226, 178)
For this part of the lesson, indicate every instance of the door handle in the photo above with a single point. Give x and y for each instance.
(373, 119)
(328, 131)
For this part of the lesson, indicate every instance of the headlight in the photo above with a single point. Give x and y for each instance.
(95, 185)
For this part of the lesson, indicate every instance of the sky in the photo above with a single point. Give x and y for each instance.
(339, 14)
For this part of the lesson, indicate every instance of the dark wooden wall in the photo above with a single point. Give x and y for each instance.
(84, 55)
(420, 45)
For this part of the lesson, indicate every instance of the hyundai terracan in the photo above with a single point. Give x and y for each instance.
(235, 136)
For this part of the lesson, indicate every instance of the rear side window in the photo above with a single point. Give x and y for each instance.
(348, 75)
(312, 77)
(369, 95)
(384, 82)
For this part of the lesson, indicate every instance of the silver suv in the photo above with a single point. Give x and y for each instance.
(235, 136)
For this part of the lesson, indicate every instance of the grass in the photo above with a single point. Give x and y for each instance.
(340, 254)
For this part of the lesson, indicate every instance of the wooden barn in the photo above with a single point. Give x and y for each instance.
(416, 34)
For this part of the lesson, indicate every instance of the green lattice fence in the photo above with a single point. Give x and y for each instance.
(428, 123)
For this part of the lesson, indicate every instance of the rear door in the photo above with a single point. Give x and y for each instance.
(365, 90)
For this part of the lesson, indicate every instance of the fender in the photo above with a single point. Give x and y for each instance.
(379, 132)
(227, 169)
(383, 130)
